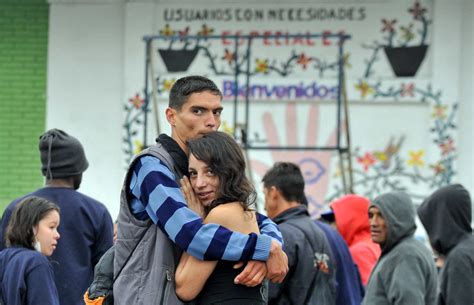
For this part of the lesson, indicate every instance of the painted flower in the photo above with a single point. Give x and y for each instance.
(438, 168)
(167, 31)
(228, 56)
(138, 146)
(388, 25)
(262, 65)
(205, 31)
(407, 90)
(381, 156)
(439, 112)
(447, 146)
(303, 60)
(364, 88)
(417, 10)
(366, 161)
(136, 101)
(227, 128)
(416, 158)
(407, 33)
(168, 83)
(183, 34)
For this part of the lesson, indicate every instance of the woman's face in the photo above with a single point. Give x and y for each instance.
(204, 181)
(46, 232)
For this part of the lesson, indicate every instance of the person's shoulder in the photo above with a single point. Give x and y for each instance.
(22, 255)
(222, 213)
(465, 249)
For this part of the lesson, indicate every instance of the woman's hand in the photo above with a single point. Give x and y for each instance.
(191, 198)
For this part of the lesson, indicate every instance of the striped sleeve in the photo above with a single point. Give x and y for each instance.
(269, 228)
(155, 194)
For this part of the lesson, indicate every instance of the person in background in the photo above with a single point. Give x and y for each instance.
(311, 279)
(405, 273)
(352, 221)
(447, 216)
(86, 226)
(349, 288)
(26, 275)
(219, 191)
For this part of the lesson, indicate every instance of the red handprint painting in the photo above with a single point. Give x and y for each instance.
(315, 164)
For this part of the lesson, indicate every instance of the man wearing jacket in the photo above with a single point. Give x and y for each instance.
(311, 279)
(446, 216)
(405, 272)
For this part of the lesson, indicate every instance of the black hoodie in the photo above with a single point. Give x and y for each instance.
(446, 216)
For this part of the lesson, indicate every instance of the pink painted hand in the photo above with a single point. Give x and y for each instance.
(314, 164)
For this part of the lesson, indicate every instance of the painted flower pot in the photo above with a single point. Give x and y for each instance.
(178, 60)
(405, 61)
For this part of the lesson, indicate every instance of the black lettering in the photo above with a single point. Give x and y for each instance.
(362, 13)
(259, 15)
(168, 15)
(271, 15)
(237, 14)
(228, 15)
(248, 15)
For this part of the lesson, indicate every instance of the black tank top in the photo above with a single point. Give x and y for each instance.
(221, 290)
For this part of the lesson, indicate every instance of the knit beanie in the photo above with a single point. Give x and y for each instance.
(62, 155)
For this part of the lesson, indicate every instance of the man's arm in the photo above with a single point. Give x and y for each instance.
(104, 237)
(459, 281)
(157, 196)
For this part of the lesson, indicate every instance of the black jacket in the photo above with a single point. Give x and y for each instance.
(310, 262)
(446, 216)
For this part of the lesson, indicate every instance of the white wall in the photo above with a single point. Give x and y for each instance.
(96, 61)
(85, 85)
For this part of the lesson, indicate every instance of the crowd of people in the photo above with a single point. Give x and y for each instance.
(188, 232)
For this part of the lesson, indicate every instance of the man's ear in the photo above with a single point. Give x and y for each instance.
(171, 116)
(274, 192)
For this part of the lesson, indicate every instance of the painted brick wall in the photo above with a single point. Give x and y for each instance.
(23, 57)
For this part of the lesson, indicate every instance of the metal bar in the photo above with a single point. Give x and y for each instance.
(296, 147)
(236, 83)
(247, 92)
(145, 105)
(177, 37)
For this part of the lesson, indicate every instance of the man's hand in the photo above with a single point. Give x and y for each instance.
(252, 275)
(277, 263)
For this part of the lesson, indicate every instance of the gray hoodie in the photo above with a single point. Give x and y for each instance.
(405, 273)
(446, 216)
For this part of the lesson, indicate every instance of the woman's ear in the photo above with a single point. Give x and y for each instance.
(35, 230)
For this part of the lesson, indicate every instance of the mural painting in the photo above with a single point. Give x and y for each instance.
(292, 65)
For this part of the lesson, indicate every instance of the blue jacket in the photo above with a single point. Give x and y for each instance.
(86, 231)
(349, 289)
(26, 278)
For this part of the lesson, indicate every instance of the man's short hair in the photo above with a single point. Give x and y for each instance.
(287, 178)
(188, 85)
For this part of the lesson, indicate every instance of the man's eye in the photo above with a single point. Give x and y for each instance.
(217, 112)
(197, 111)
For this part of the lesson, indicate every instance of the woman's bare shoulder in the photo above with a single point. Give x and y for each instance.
(231, 216)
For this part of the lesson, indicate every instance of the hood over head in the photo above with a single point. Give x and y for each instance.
(352, 217)
(399, 213)
(446, 216)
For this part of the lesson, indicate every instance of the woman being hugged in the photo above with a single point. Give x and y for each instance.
(219, 190)
(26, 275)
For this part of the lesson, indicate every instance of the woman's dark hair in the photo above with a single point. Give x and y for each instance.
(224, 157)
(26, 215)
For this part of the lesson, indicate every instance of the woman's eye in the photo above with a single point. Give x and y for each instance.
(210, 172)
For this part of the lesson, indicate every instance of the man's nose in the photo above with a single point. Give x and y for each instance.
(211, 121)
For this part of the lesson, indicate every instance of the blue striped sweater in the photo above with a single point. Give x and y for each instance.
(156, 195)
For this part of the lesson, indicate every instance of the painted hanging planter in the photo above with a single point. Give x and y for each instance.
(406, 61)
(178, 60)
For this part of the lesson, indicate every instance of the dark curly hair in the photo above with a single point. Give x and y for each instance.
(26, 215)
(224, 156)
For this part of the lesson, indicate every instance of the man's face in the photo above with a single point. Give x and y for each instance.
(378, 227)
(199, 115)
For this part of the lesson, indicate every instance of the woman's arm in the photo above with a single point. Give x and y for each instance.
(192, 274)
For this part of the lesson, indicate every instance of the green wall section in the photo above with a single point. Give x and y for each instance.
(23, 62)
